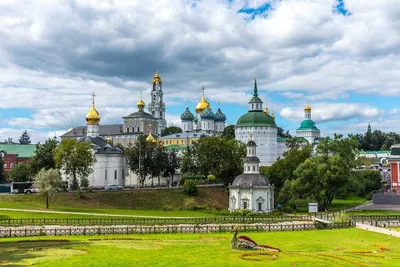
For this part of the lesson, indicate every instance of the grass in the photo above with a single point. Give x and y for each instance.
(374, 212)
(345, 247)
(163, 203)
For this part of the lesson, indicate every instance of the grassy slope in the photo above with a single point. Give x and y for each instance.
(137, 202)
(347, 247)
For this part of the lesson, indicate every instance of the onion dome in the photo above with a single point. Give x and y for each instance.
(187, 115)
(273, 115)
(93, 117)
(150, 138)
(307, 108)
(266, 110)
(251, 143)
(207, 114)
(219, 116)
(201, 106)
(140, 104)
(157, 78)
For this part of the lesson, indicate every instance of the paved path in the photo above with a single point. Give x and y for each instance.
(378, 229)
(91, 214)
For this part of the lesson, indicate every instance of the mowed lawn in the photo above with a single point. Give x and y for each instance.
(345, 247)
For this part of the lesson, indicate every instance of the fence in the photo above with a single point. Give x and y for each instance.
(140, 229)
(151, 221)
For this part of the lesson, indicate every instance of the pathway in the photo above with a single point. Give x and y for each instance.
(378, 229)
(90, 214)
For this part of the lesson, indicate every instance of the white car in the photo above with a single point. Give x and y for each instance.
(113, 187)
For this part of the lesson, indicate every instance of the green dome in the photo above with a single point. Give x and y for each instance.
(207, 114)
(308, 125)
(256, 118)
(219, 116)
(187, 115)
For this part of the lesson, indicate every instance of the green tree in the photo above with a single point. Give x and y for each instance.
(159, 162)
(173, 164)
(19, 173)
(171, 130)
(283, 169)
(46, 181)
(188, 160)
(44, 156)
(84, 182)
(371, 180)
(219, 156)
(25, 139)
(229, 132)
(282, 133)
(140, 158)
(74, 158)
(190, 188)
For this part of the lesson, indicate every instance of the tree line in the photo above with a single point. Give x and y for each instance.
(377, 140)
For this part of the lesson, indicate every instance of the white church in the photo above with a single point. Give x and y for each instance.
(261, 123)
(251, 190)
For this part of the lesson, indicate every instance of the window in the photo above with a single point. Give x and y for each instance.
(252, 106)
(123, 174)
(105, 174)
(260, 206)
(127, 129)
(248, 168)
(245, 205)
(2, 154)
(254, 168)
(138, 129)
(115, 175)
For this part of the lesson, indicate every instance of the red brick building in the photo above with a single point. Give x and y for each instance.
(14, 154)
(394, 160)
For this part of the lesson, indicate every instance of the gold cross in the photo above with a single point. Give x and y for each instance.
(251, 136)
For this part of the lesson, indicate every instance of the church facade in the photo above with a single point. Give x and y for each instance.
(134, 124)
(260, 123)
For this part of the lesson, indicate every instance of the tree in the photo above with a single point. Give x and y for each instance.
(19, 173)
(283, 169)
(25, 139)
(46, 181)
(44, 156)
(171, 130)
(218, 156)
(140, 158)
(172, 165)
(159, 161)
(229, 132)
(190, 188)
(282, 133)
(370, 180)
(74, 158)
(188, 160)
(323, 177)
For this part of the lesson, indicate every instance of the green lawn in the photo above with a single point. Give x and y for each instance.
(346, 247)
(374, 212)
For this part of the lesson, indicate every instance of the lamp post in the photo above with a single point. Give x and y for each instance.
(140, 155)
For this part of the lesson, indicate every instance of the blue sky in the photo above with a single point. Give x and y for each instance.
(340, 56)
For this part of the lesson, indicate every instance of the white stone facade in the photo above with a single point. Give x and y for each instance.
(254, 199)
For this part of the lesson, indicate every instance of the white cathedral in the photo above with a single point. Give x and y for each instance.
(261, 124)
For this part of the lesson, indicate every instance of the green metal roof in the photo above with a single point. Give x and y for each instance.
(256, 118)
(23, 151)
(255, 99)
(308, 125)
(375, 152)
(283, 139)
(175, 147)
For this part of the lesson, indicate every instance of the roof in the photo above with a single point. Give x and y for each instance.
(101, 146)
(395, 150)
(375, 152)
(184, 135)
(219, 116)
(113, 129)
(140, 114)
(256, 118)
(207, 114)
(250, 180)
(22, 151)
(308, 125)
(175, 147)
(187, 115)
(251, 143)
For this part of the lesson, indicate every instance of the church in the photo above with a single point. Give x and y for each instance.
(261, 124)
(134, 124)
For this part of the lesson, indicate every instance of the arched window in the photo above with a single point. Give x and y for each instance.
(127, 129)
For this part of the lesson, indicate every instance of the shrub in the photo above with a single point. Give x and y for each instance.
(79, 194)
(189, 204)
(342, 218)
(84, 182)
(211, 178)
(190, 188)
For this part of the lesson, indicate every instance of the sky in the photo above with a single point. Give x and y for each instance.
(340, 56)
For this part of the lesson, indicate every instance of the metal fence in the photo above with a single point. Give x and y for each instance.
(158, 229)
(150, 221)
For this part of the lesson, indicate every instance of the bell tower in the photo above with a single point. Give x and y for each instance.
(157, 105)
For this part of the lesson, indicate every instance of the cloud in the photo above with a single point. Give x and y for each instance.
(328, 112)
(54, 54)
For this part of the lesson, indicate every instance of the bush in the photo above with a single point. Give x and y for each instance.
(190, 204)
(190, 188)
(211, 178)
(84, 182)
(79, 194)
(342, 218)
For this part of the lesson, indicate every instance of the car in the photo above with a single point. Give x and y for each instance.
(31, 190)
(113, 187)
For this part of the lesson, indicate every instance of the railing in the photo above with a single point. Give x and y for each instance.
(157, 229)
(150, 221)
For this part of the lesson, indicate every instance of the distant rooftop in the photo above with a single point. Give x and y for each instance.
(23, 151)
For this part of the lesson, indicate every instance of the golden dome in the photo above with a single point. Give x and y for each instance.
(273, 115)
(266, 110)
(150, 138)
(307, 108)
(140, 104)
(157, 78)
(93, 117)
(109, 140)
(202, 104)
